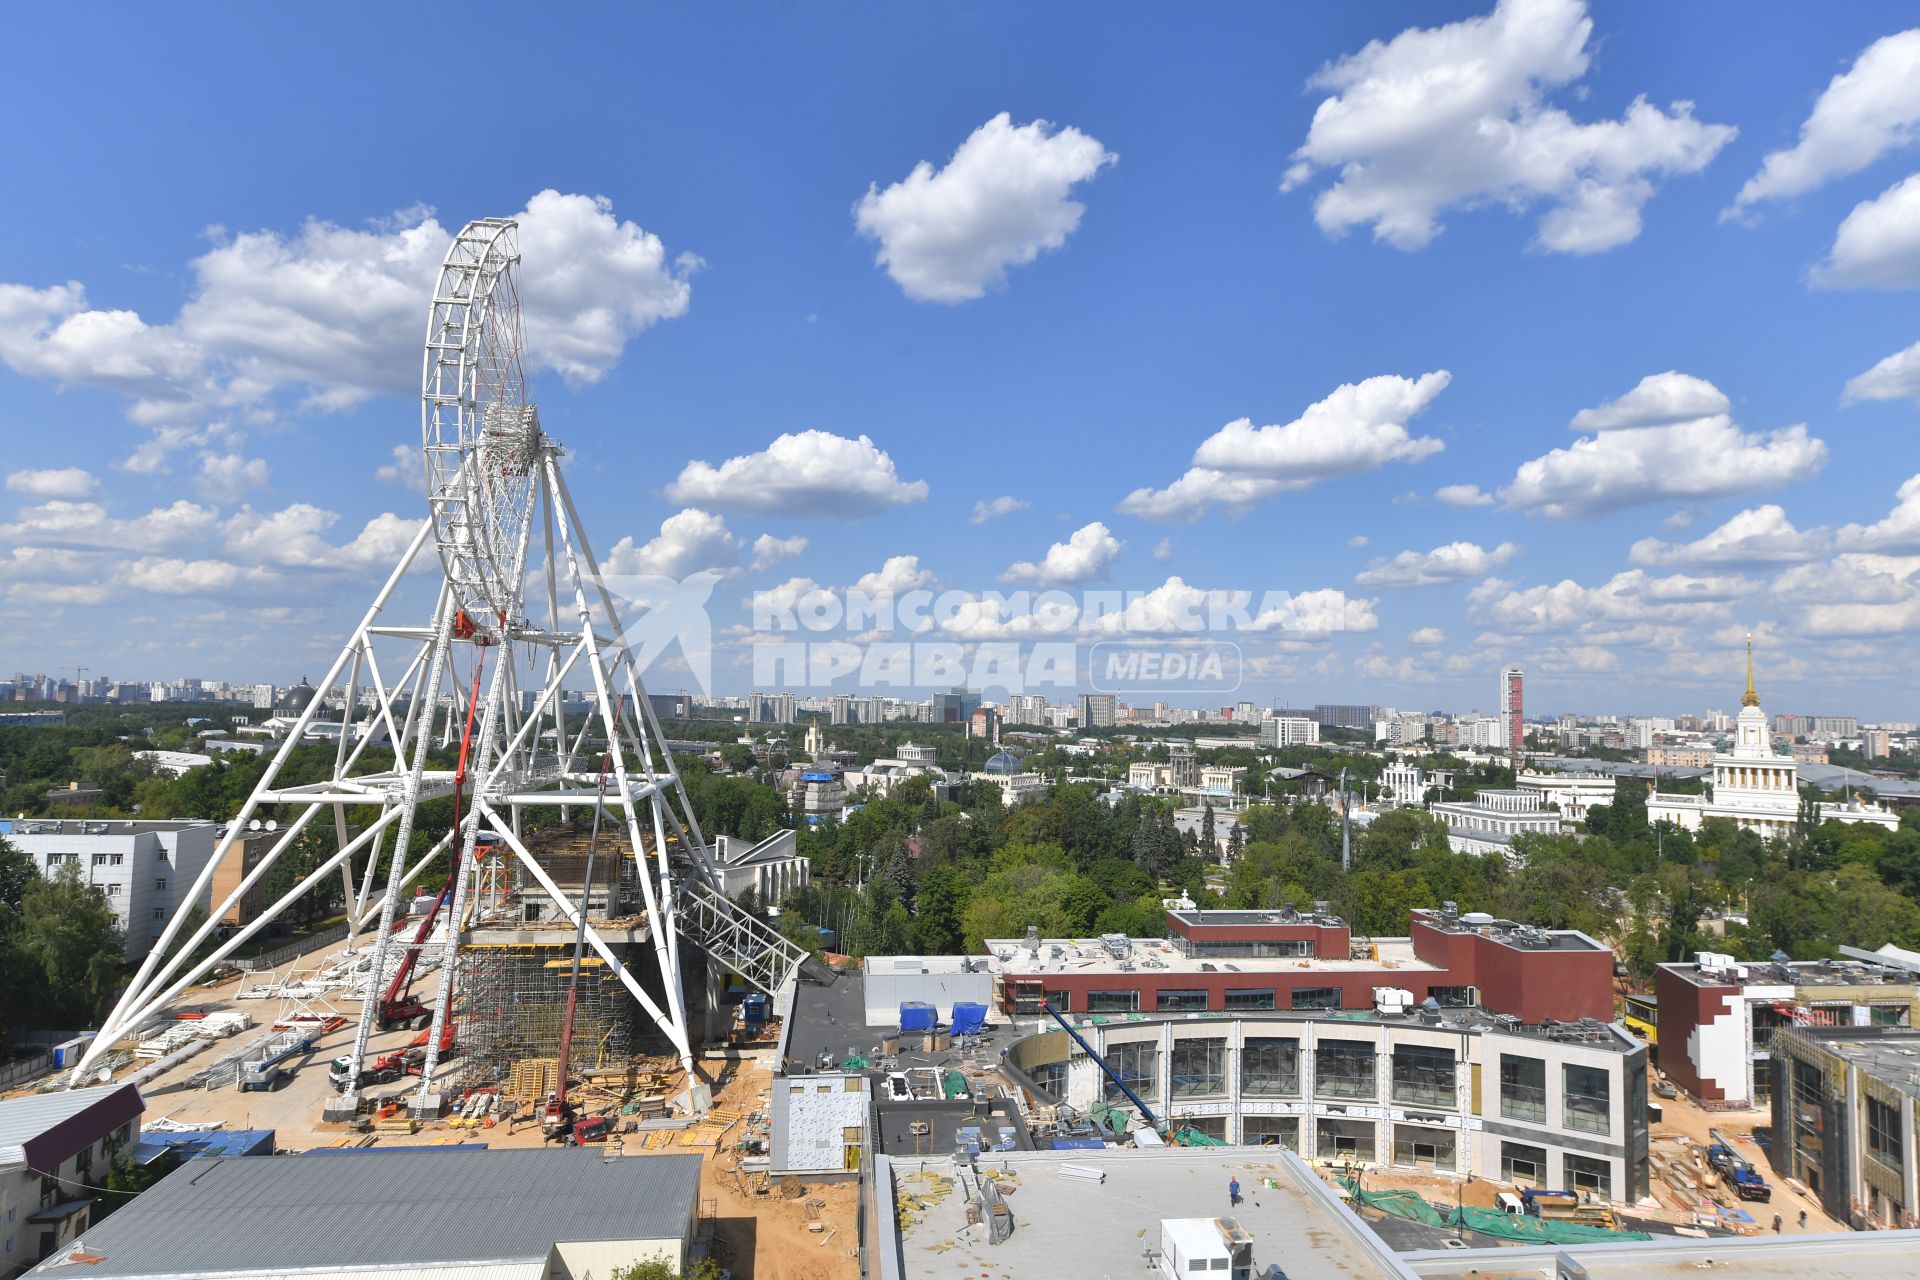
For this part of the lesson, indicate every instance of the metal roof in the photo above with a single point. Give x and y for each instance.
(280, 1214)
(24, 1119)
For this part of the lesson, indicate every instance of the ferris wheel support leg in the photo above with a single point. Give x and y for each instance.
(156, 1001)
(408, 803)
(117, 1022)
(484, 772)
(658, 907)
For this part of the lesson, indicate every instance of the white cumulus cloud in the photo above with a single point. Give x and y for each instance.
(899, 574)
(1359, 427)
(1900, 531)
(769, 550)
(1759, 535)
(229, 477)
(1895, 378)
(1459, 116)
(406, 469)
(688, 541)
(1454, 562)
(332, 314)
(1671, 438)
(985, 509)
(949, 234)
(1084, 557)
(1878, 244)
(1866, 111)
(806, 473)
(1462, 496)
(1427, 635)
(60, 482)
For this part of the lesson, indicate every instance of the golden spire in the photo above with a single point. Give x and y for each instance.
(1751, 699)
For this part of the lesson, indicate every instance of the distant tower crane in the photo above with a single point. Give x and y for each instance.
(501, 528)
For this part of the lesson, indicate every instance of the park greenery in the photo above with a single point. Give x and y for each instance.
(910, 871)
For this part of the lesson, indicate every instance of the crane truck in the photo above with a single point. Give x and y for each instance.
(1736, 1169)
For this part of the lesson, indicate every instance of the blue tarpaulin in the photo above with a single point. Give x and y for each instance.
(213, 1142)
(1078, 1144)
(917, 1015)
(968, 1019)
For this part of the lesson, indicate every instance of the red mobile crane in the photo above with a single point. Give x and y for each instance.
(558, 1120)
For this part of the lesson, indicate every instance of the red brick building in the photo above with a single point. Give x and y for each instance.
(1244, 961)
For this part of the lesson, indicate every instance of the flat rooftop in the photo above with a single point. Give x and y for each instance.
(1868, 1255)
(1158, 955)
(276, 1215)
(1067, 1226)
(1795, 973)
(1889, 1054)
(833, 1020)
(1509, 933)
(1223, 916)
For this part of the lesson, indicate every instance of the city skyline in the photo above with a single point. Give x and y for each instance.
(885, 355)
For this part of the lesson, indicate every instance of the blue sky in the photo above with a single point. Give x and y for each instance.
(254, 185)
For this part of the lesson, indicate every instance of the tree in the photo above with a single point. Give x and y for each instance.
(69, 934)
(1209, 842)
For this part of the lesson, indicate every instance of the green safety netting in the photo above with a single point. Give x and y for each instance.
(1186, 1136)
(953, 1085)
(1490, 1222)
(855, 1063)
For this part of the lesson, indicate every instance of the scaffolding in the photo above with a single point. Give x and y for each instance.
(513, 965)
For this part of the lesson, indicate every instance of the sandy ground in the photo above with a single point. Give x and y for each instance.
(757, 1236)
(1681, 1117)
(766, 1237)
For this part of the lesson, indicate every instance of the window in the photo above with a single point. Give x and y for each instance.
(159, 913)
(1197, 1068)
(1270, 1068)
(1586, 1103)
(1344, 1069)
(1249, 999)
(1887, 1015)
(83, 1160)
(1883, 1134)
(1180, 1001)
(99, 859)
(1113, 1002)
(159, 886)
(1455, 997)
(1316, 998)
(1060, 1000)
(1344, 1140)
(1271, 1131)
(1139, 1065)
(116, 859)
(1523, 1088)
(1524, 1164)
(113, 890)
(1423, 1075)
(1584, 1173)
(9, 1248)
(1418, 1147)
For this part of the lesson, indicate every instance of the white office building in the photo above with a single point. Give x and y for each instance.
(1288, 731)
(143, 867)
(1571, 793)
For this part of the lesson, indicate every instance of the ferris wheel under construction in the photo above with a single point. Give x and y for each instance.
(489, 668)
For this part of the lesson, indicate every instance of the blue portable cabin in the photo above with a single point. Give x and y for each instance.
(917, 1015)
(969, 1018)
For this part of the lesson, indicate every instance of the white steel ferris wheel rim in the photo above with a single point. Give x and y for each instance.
(479, 436)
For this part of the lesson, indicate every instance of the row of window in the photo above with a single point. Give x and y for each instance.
(1416, 1147)
(1233, 1000)
(1419, 1075)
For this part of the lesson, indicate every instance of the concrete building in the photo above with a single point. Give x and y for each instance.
(1489, 822)
(770, 870)
(1441, 1091)
(1718, 1016)
(54, 1149)
(1235, 961)
(1680, 757)
(1288, 731)
(1346, 715)
(143, 866)
(1404, 784)
(1844, 1098)
(452, 1215)
(1571, 793)
(1098, 710)
(1509, 709)
(1754, 786)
